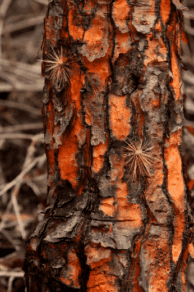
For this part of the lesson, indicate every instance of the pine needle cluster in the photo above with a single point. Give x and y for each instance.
(140, 158)
(59, 67)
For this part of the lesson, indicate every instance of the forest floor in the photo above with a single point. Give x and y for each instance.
(23, 177)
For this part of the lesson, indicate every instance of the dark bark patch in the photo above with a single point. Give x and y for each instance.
(126, 72)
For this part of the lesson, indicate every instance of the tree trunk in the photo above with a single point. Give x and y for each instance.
(118, 216)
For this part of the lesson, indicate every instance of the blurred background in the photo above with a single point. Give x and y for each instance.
(22, 158)
(23, 178)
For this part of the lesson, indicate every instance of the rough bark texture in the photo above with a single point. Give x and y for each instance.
(118, 217)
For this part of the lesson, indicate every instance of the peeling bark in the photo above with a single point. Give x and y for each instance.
(117, 216)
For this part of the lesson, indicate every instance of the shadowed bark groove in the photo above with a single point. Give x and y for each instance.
(118, 215)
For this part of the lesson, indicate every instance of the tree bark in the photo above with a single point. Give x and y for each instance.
(118, 215)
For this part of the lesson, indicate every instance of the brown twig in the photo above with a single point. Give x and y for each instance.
(188, 77)
(15, 192)
(10, 283)
(29, 162)
(21, 76)
(29, 159)
(14, 195)
(16, 136)
(23, 127)
(44, 2)
(34, 69)
(20, 106)
(189, 14)
(22, 174)
(189, 90)
(3, 10)
(37, 87)
(23, 24)
(16, 274)
(5, 215)
(33, 186)
(189, 29)
(40, 177)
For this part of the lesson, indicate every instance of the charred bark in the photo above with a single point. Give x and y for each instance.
(118, 216)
